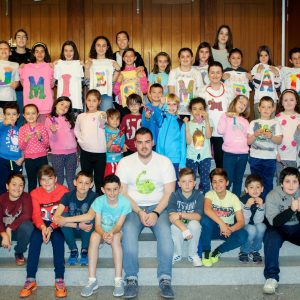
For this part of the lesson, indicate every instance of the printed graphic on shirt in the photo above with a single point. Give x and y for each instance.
(130, 129)
(101, 79)
(186, 92)
(130, 84)
(266, 83)
(9, 218)
(262, 143)
(143, 184)
(198, 139)
(11, 141)
(225, 213)
(76, 211)
(108, 221)
(37, 90)
(6, 76)
(48, 211)
(295, 78)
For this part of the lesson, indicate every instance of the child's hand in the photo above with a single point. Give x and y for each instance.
(148, 114)
(53, 128)
(6, 240)
(141, 74)
(108, 237)
(21, 66)
(14, 84)
(120, 78)
(230, 114)
(299, 204)
(187, 235)
(59, 220)
(186, 120)
(45, 233)
(258, 132)
(249, 76)
(113, 137)
(19, 161)
(28, 136)
(225, 76)
(274, 70)
(173, 217)
(260, 68)
(295, 205)
(140, 69)
(162, 100)
(225, 230)
(116, 66)
(250, 202)
(125, 148)
(204, 115)
(259, 202)
(38, 134)
(85, 227)
(268, 134)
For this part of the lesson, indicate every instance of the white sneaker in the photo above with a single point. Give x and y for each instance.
(196, 260)
(119, 288)
(176, 258)
(270, 286)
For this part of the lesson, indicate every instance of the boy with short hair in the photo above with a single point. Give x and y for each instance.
(221, 208)
(185, 209)
(45, 200)
(76, 203)
(109, 211)
(264, 135)
(254, 214)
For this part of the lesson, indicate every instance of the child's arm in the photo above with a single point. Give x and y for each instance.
(222, 124)
(187, 131)
(260, 212)
(61, 221)
(116, 88)
(183, 147)
(247, 211)
(43, 137)
(276, 139)
(143, 82)
(240, 222)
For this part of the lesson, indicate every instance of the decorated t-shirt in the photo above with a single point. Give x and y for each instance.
(203, 70)
(237, 83)
(8, 74)
(290, 79)
(69, 74)
(161, 78)
(114, 153)
(225, 208)
(111, 214)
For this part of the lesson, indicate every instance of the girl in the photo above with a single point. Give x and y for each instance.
(234, 125)
(37, 81)
(266, 77)
(102, 70)
(236, 78)
(160, 71)
(130, 80)
(34, 142)
(60, 128)
(217, 99)
(223, 45)
(203, 58)
(89, 130)
(184, 81)
(288, 115)
(198, 133)
(69, 72)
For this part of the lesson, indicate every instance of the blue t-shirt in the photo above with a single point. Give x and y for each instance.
(110, 215)
(161, 78)
(114, 154)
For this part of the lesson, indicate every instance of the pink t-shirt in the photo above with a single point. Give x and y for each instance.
(36, 80)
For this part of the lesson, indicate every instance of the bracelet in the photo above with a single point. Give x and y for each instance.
(156, 212)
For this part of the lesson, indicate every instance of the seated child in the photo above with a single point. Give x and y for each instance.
(221, 208)
(254, 214)
(45, 200)
(76, 203)
(109, 211)
(15, 217)
(185, 209)
(283, 214)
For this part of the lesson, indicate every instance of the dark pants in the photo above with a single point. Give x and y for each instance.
(273, 240)
(94, 163)
(32, 166)
(217, 143)
(71, 234)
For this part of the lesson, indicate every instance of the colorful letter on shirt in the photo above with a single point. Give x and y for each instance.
(186, 93)
(66, 85)
(37, 90)
(294, 78)
(6, 77)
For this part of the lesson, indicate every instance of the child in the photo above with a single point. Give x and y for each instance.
(266, 77)
(288, 115)
(45, 200)
(223, 219)
(109, 211)
(34, 142)
(291, 76)
(68, 71)
(198, 133)
(185, 209)
(222, 45)
(160, 71)
(184, 81)
(283, 214)
(76, 203)
(233, 126)
(203, 58)
(11, 157)
(89, 130)
(131, 122)
(37, 80)
(254, 213)
(9, 75)
(264, 135)
(15, 217)
(60, 128)
(115, 140)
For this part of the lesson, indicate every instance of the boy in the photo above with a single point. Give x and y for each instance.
(11, 157)
(109, 211)
(77, 203)
(221, 208)
(185, 209)
(264, 135)
(15, 217)
(9, 75)
(115, 139)
(45, 200)
(283, 214)
(254, 213)
(291, 76)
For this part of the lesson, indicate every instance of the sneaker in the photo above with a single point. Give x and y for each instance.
(84, 257)
(90, 288)
(206, 261)
(243, 257)
(28, 288)
(73, 259)
(119, 288)
(131, 288)
(270, 286)
(176, 258)
(215, 256)
(256, 257)
(60, 288)
(196, 260)
(20, 259)
(166, 290)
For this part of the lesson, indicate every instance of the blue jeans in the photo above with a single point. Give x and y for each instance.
(255, 237)
(211, 230)
(273, 240)
(106, 102)
(165, 248)
(235, 165)
(265, 168)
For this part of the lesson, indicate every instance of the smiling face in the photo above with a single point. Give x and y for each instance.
(264, 57)
(92, 103)
(162, 62)
(101, 48)
(290, 184)
(39, 54)
(68, 52)
(62, 107)
(129, 58)
(48, 183)
(122, 41)
(112, 191)
(219, 184)
(266, 109)
(15, 188)
(197, 110)
(295, 60)
(241, 105)
(223, 36)
(215, 74)
(172, 107)
(235, 60)
(289, 102)
(185, 59)
(31, 115)
(21, 39)
(155, 95)
(83, 184)
(4, 51)
(254, 189)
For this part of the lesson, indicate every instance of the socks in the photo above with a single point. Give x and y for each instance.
(216, 252)
(92, 279)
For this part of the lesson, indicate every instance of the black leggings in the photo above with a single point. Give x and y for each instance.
(217, 143)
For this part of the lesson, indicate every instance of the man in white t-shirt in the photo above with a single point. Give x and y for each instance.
(148, 179)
